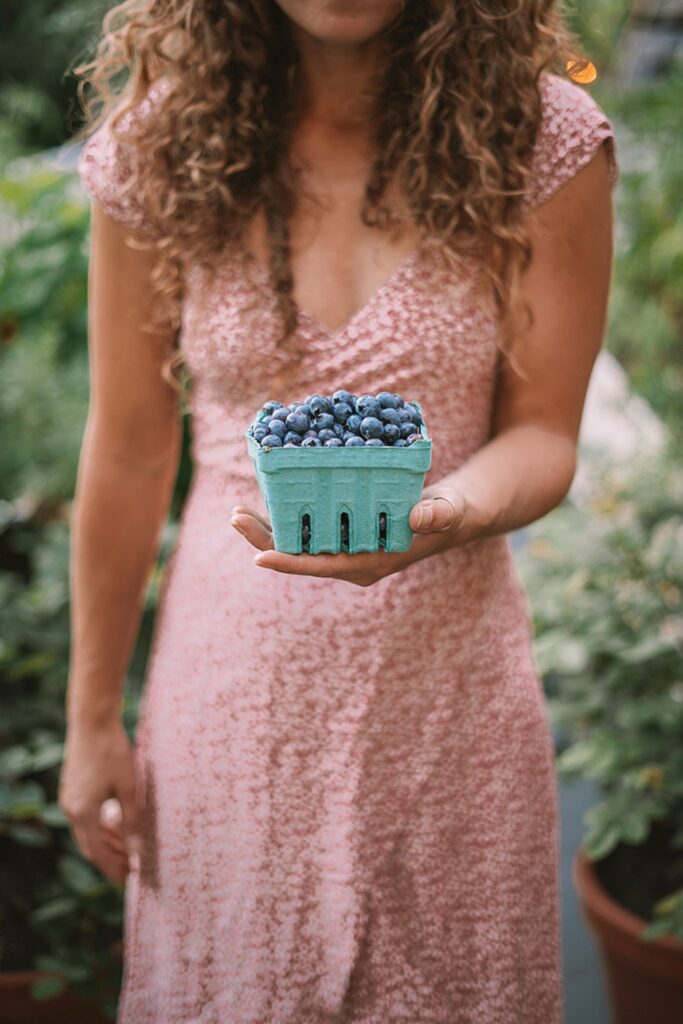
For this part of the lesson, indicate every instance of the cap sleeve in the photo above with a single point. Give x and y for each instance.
(573, 127)
(105, 166)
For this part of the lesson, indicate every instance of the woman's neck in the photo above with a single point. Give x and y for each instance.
(338, 80)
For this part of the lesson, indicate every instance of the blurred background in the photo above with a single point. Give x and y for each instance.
(604, 571)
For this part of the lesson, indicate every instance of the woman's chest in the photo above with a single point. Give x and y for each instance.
(336, 261)
(423, 330)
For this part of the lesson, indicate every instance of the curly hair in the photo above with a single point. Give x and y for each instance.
(458, 107)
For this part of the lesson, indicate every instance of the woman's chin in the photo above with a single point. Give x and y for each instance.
(344, 22)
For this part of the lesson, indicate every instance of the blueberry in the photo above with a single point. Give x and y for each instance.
(367, 405)
(324, 421)
(270, 406)
(387, 400)
(389, 415)
(342, 411)
(319, 404)
(409, 428)
(340, 419)
(371, 427)
(276, 427)
(298, 421)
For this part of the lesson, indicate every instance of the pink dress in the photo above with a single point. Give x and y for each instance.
(351, 800)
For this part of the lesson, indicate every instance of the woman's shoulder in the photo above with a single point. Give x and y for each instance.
(572, 129)
(106, 163)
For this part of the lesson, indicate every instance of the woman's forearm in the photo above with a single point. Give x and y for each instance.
(119, 508)
(515, 478)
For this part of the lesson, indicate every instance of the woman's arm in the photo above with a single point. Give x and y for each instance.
(126, 473)
(527, 467)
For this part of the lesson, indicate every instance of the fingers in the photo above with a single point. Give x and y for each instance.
(112, 837)
(251, 512)
(361, 566)
(341, 564)
(111, 860)
(111, 818)
(255, 528)
(131, 814)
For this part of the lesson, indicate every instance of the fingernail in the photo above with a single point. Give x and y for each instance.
(134, 861)
(425, 516)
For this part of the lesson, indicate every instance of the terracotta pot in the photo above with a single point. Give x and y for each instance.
(17, 1005)
(644, 976)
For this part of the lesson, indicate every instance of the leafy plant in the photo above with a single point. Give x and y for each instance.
(39, 43)
(606, 589)
(646, 315)
(598, 24)
(57, 911)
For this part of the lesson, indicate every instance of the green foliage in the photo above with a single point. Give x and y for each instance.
(646, 314)
(43, 269)
(606, 588)
(598, 24)
(57, 911)
(40, 42)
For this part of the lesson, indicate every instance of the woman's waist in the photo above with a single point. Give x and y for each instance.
(481, 573)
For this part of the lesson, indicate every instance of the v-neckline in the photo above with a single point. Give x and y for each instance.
(404, 264)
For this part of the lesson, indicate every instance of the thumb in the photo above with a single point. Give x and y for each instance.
(437, 513)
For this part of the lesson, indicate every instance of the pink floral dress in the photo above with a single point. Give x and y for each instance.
(351, 809)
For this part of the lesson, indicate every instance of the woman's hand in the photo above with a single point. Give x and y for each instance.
(435, 520)
(98, 766)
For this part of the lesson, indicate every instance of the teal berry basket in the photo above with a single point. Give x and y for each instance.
(317, 487)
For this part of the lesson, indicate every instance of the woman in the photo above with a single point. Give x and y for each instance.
(340, 805)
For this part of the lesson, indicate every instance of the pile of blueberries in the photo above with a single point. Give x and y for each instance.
(338, 420)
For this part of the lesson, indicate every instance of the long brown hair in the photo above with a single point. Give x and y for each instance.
(459, 107)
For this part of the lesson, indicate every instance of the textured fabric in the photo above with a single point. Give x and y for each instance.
(350, 792)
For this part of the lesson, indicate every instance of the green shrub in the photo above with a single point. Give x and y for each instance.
(57, 911)
(606, 588)
(645, 329)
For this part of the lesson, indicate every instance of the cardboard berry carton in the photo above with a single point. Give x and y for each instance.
(346, 498)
